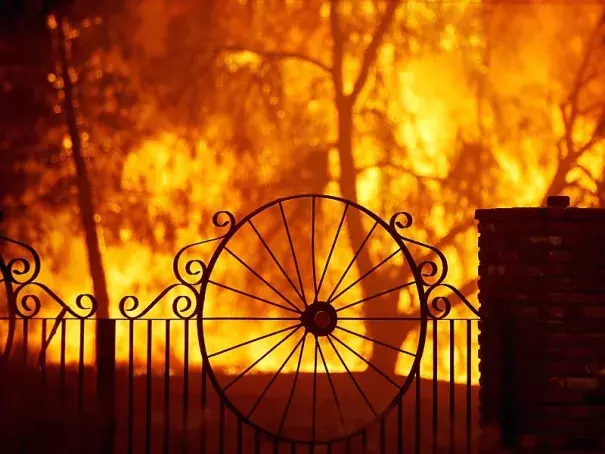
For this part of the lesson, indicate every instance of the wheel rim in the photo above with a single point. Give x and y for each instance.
(313, 309)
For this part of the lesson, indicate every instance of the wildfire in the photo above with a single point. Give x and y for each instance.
(158, 170)
(427, 103)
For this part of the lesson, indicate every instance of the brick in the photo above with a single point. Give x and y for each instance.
(594, 311)
(545, 268)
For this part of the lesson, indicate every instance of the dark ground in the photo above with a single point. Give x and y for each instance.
(32, 418)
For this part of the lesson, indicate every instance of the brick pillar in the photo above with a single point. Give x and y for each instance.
(542, 334)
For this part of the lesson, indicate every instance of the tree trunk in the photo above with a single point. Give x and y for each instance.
(558, 182)
(383, 358)
(105, 329)
(85, 203)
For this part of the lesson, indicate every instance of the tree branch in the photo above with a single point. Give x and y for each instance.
(597, 133)
(369, 55)
(338, 48)
(569, 113)
(469, 288)
(579, 82)
(451, 236)
(399, 168)
(586, 172)
(591, 108)
(274, 55)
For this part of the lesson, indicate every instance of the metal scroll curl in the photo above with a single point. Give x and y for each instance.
(440, 306)
(28, 304)
(18, 271)
(426, 268)
(431, 273)
(183, 306)
(25, 296)
(19, 275)
(194, 270)
(190, 273)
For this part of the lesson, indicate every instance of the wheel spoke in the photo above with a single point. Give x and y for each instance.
(363, 243)
(281, 268)
(314, 387)
(275, 375)
(323, 274)
(332, 387)
(302, 288)
(285, 414)
(374, 296)
(365, 398)
(262, 279)
(264, 336)
(249, 295)
(385, 376)
(313, 247)
(405, 352)
(366, 274)
(267, 353)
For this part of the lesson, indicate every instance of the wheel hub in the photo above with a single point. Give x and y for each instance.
(319, 318)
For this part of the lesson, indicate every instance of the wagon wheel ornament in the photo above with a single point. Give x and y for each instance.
(282, 327)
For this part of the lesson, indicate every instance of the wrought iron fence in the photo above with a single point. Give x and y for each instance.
(165, 390)
(164, 404)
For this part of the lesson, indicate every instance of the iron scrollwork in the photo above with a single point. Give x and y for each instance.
(181, 310)
(19, 276)
(440, 306)
(24, 310)
(198, 274)
(189, 273)
(20, 291)
(11, 273)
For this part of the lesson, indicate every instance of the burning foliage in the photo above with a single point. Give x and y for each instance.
(185, 108)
